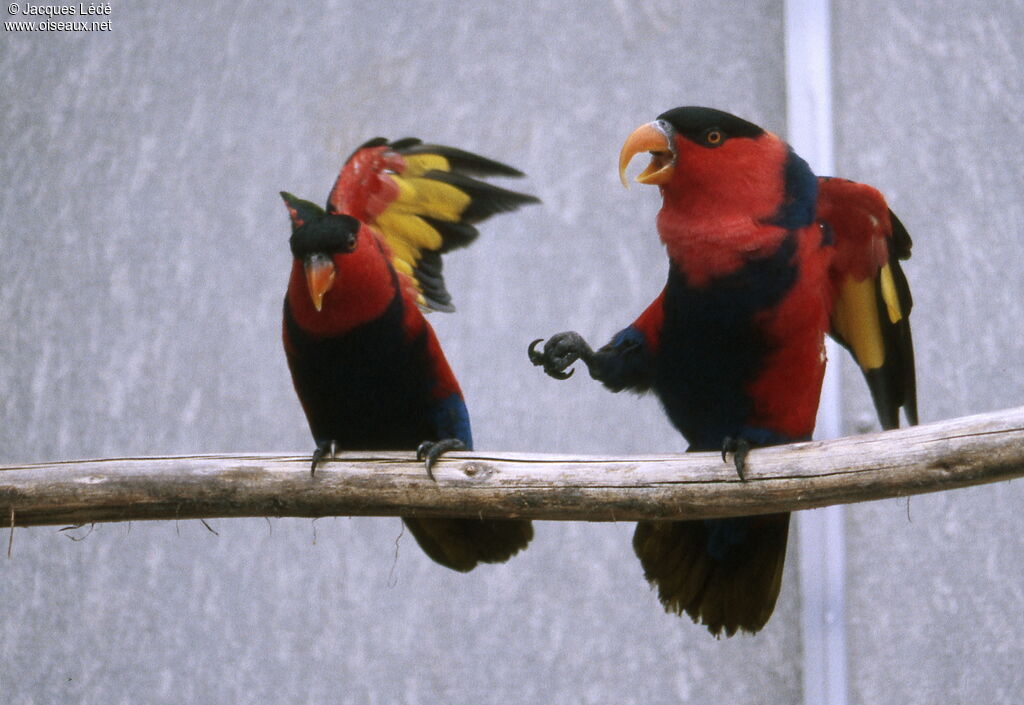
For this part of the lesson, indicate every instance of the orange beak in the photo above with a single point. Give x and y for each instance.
(320, 273)
(649, 138)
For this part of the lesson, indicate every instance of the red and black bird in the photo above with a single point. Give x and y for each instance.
(367, 366)
(765, 258)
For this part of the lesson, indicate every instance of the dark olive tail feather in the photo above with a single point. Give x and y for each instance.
(735, 590)
(460, 544)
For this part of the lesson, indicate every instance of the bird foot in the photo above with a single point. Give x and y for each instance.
(324, 450)
(739, 447)
(560, 351)
(430, 451)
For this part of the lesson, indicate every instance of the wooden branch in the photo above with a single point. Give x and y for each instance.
(939, 456)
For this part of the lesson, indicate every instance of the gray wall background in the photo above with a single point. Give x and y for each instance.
(145, 257)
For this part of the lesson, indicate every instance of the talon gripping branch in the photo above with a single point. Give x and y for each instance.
(764, 260)
(366, 365)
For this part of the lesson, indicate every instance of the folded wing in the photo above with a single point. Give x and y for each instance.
(871, 302)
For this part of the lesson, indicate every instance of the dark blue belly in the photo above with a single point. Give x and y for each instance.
(369, 389)
(712, 347)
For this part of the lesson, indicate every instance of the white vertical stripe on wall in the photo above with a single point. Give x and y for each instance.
(821, 535)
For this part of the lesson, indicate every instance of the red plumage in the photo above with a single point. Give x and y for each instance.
(363, 288)
(367, 367)
(364, 187)
(764, 260)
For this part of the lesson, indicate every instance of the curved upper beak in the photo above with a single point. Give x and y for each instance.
(320, 272)
(652, 138)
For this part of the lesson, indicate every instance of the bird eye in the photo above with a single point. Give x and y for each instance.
(713, 137)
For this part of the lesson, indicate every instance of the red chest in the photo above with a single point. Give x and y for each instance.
(745, 349)
(787, 388)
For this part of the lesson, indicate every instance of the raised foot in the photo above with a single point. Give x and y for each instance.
(560, 351)
(739, 447)
(430, 451)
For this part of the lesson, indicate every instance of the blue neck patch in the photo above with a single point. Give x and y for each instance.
(800, 201)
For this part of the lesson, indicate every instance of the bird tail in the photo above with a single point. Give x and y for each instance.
(460, 544)
(724, 573)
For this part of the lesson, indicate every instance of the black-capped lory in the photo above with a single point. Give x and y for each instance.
(366, 365)
(765, 258)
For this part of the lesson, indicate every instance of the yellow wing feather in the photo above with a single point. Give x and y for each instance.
(890, 295)
(855, 319)
(434, 199)
(872, 304)
(419, 164)
(407, 234)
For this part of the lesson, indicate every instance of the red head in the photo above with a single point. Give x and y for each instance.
(729, 163)
(728, 186)
(341, 276)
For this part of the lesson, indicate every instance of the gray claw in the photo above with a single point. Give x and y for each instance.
(431, 451)
(560, 351)
(324, 449)
(739, 447)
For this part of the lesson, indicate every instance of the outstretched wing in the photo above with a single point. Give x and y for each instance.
(870, 313)
(422, 200)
